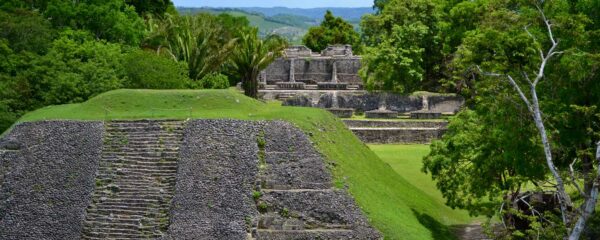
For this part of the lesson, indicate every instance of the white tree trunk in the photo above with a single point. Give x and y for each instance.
(589, 206)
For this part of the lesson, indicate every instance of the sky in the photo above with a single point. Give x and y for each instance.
(274, 3)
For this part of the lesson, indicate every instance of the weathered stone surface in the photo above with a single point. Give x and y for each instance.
(381, 114)
(341, 112)
(362, 101)
(445, 104)
(47, 182)
(290, 85)
(10, 144)
(298, 101)
(313, 68)
(135, 181)
(217, 171)
(394, 124)
(301, 203)
(332, 86)
(425, 115)
(398, 135)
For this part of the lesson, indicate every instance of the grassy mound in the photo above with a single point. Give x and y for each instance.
(394, 205)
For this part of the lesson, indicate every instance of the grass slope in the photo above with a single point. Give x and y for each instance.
(406, 160)
(396, 207)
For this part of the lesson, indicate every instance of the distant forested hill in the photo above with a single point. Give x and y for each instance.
(291, 23)
(349, 14)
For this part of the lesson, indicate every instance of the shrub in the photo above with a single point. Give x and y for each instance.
(214, 81)
(150, 71)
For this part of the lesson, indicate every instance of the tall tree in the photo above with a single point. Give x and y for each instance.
(403, 53)
(112, 20)
(553, 86)
(333, 30)
(153, 7)
(252, 56)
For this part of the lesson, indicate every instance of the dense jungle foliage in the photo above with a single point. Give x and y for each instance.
(62, 51)
(492, 152)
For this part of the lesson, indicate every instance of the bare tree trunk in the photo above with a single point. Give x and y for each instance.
(560, 185)
(589, 206)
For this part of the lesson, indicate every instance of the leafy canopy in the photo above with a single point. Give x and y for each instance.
(333, 30)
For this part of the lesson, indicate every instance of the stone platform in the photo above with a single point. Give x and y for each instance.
(332, 86)
(388, 114)
(341, 112)
(162, 179)
(290, 85)
(407, 132)
(425, 115)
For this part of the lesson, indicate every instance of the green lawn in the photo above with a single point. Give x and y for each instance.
(393, 204)
(406, 160)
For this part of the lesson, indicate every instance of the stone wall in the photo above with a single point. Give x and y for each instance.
(217, 170)
(313, 70)
(449, 104)
(398, 135)
(364, 101)
(48, 172)
(47, 178)
(394, 124)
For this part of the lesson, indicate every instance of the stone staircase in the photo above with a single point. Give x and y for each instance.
(135, 180)
(394, 131)
(294, 193)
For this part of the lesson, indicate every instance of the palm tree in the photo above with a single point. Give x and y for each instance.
(252, 55)
(195, 40)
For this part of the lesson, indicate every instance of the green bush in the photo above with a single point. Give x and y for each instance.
(148, 70)
(7, 117)
(213, 81)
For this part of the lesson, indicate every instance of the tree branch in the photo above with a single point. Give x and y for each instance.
(589, 206)
(551, 52)
(572, 174)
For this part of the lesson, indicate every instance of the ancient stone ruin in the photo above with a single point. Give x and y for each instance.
(200, 179)
(336, 68)
(330, 80)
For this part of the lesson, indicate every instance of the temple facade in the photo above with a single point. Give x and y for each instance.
(335, 68)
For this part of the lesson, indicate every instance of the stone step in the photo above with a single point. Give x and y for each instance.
(107, 228)
(115, 236)
(127, 189)
(126, 168)
(135, 180)
(143, 147)
(112, 203)
(394, 124)
(115, 221)
(398, 135)
(108, 176)
(140, 201)
(126, 124)
(125, 195)
(141, 154)
(147, 164)
(127, 192)
(117, 133)
(147, 156)
(145, 129)
(122, 211)
(146, 139)
(120, 216)
(134, 183)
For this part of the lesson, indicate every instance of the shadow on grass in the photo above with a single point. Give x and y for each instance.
(438, 230)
